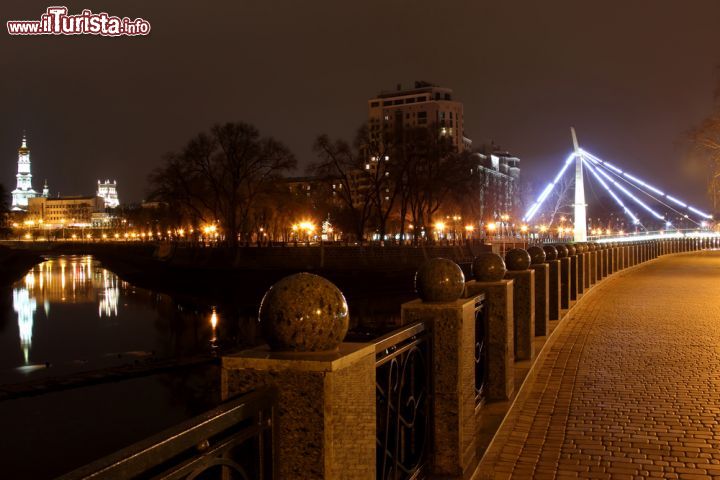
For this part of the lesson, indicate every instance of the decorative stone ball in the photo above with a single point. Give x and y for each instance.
(304, 313)
(537, 255)
(488, 267)
(571, 249)
(551, 253)
(580, 248)
(562, 251)
(517, 259)
(439, 280)
(592, 246)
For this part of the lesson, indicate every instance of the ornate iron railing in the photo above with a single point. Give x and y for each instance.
(235, 441)
(481, 357)
(402, 381)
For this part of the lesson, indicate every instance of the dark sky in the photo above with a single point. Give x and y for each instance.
(631, 76)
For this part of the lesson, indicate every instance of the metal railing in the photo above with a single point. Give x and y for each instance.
(402, 382)
(235, 440)
(481, 357)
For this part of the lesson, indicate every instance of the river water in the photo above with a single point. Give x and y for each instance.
(69, 315)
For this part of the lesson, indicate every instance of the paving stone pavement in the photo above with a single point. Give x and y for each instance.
(628, 386)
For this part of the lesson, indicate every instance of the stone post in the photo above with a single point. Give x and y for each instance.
(572, 254)
(564, 277)
(453, 390)
(598, 262)
(593, 263)
(586, 268)
(538, 263)
(488, 271)
(441, 284)
(518, 261)
(326, 406)
(579, 252)
(551, 254)
(616, 258)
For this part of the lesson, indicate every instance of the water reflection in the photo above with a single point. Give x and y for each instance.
(72, 315)
(25, 307)
(41, 285)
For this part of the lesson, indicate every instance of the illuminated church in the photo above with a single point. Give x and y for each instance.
(24, 190)
(42, 205)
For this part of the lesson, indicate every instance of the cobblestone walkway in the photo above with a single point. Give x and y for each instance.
(628, 387)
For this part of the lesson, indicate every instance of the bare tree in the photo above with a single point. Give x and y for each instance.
(220, 174)
(341, 166)
(559, 197)
(705, 141)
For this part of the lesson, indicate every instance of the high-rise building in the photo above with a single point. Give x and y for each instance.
(24, 190)
(425, 105)
(108, 191)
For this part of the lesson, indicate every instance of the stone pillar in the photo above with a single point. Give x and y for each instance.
(565, 278)
(580, 272)
(605, 258)
(453, 387)
(611, 259)
(573, 277)
(593, 265)
(523, 312)
(616, 258)
(586, 268)
(542, 298)
(628, 255)
(499, 305)
(326, 412)
(554, 289)
(326, 407)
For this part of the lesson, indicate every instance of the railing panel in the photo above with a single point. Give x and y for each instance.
(481, 357)
(402, 381)
(233, 441)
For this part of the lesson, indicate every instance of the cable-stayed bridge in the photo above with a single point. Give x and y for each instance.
(635, 197)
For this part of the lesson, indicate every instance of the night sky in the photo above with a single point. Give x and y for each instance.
(630, 76)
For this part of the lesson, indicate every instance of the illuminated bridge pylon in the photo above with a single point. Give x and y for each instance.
(620, 185)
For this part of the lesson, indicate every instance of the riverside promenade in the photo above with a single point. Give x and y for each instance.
(628, 385)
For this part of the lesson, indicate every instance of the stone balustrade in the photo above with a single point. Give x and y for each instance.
(333, 409)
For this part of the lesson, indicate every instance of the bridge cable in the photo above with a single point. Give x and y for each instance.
(625, 176)
(683, 215)
(635, 220)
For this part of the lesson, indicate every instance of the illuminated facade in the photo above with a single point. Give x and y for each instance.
(498, 182)
(24, 190)
(107, 190)
(64, 211)
(422, 106)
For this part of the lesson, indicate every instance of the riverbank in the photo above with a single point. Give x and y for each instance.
(14, 264)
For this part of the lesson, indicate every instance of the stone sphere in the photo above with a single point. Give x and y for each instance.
(571, 249)
(582, 247)
(551, 252)
(517, 259)
(304, 313)
(562, 251)
(439, 280)
(537, 255)
(592, 246)
(488, 267)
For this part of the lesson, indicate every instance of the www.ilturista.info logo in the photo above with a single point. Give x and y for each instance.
(56, 21)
